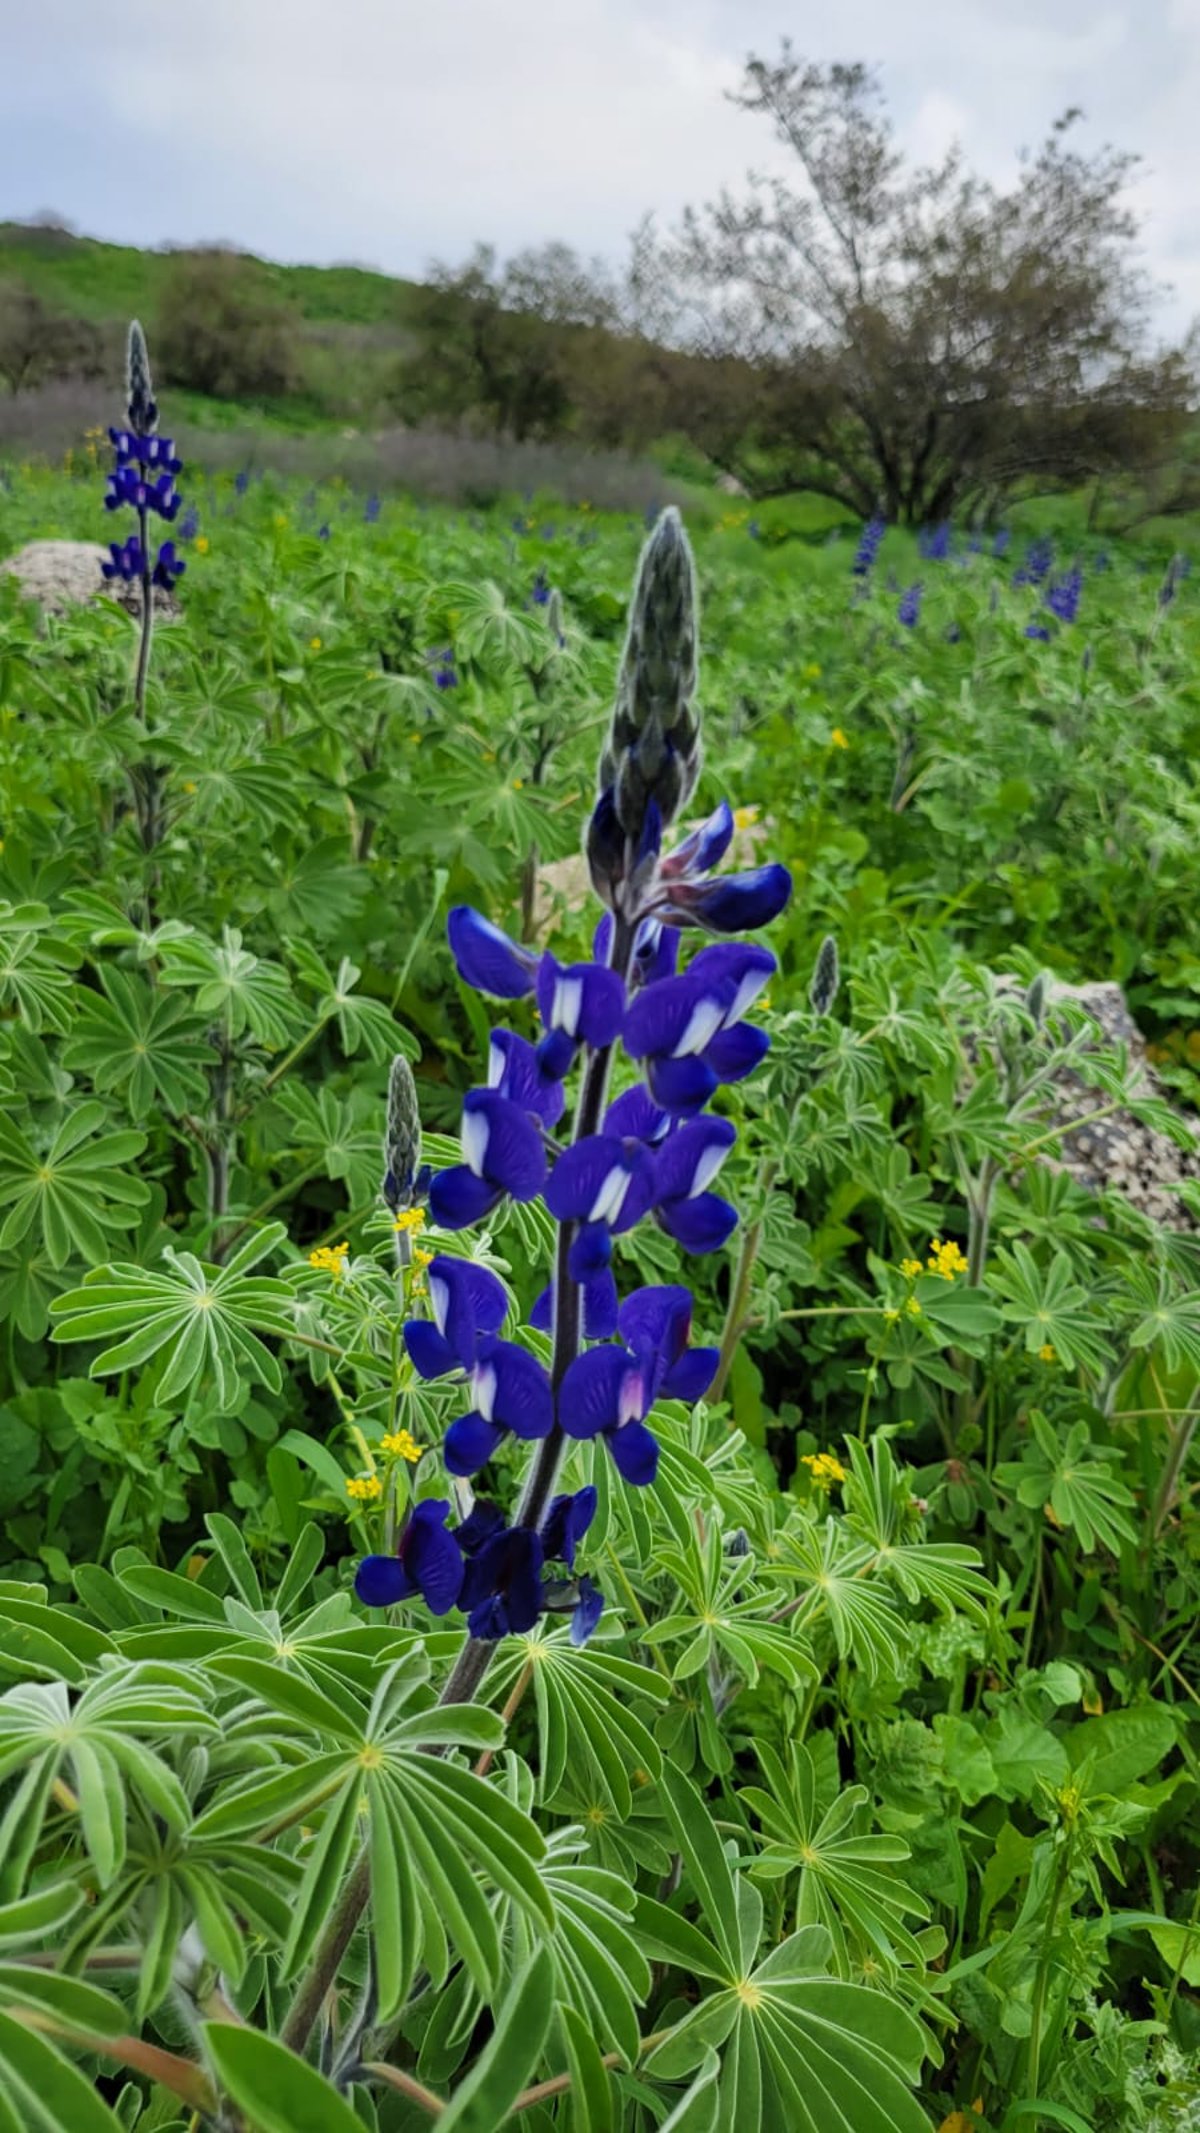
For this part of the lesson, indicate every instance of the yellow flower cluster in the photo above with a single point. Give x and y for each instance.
(201, 544)
(314, 644)
(910, 1268)
(826, 1471)
(745, 817)
(421, 1258)
(1047, 1353)
(838, 739)
(364, 1488)
(411, 1219)
(946, 1259)
(402, 1446)
(330, 1259)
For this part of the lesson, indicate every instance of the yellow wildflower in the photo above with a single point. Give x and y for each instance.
(421, 1258)
(913, 1307)
(189, 785)
(411, 1218)
(910, 1268)
(364, 1488)
(201, 544)
(890, 1317)
(280, 521)
(1047, 1353)
(743, 817)
(518, 784)
(330, 1259)
(946, 1259)
(402, 1446)
(826, 1471)
(838, 738)
(314, 644)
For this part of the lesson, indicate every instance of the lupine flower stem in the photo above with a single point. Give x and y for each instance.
(476, 1655)
(143, 658)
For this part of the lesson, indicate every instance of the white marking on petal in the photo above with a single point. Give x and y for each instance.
(474, 1140)
(702, 1026)
(496, 1066)
(567, 1005)
(706, 1169)
(439, 1297)
(483, 1389)
(631, 1399)
(607, 1205)
(747, 992)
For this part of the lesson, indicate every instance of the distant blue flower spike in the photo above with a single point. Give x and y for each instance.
(427, 1561)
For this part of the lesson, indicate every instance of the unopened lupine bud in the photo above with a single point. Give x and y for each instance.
(143, 414)
(652, 755)
(826, 977)
(554, 617)
(401, 1146)
(1035, 1000)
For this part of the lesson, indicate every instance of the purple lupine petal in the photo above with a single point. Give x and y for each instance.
(517, 1071)
(732, 903)
(655, 1322)
(511, 1387)
(681, 1086)
(591, 1396)
(602, 939)
(635, 1454)
(689, 1160)
(702, 1224)
(502, 1585)
(591, 1251)
(738, 969)
(703, 850)
(556, 1056)
(565, 1524)
(541, 1318)
(429, 1352)
(482, 1521)
(467, 1300)
(431, 1555)
(672, 1019)
(689, 1379)
(588, 1609)
(600, 1179)
(599, 1307)
(457, 1197)
(469, 1443)
(635, 1116)
(382, 1580)
(737, 1051)
(585, 1001)
(487, 960)
(656, 953)
(501, 1144)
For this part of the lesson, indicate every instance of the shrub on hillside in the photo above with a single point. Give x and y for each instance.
(219, 335)
(38, 345)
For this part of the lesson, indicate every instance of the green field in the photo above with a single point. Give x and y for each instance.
(889, 1726)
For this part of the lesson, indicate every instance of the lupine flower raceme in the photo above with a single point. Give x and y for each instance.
(142, 480)
(653, 1151)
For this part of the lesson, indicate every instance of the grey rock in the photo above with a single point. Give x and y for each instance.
(60, 575)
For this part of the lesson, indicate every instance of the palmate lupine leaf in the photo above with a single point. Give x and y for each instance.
(802, 2051)
(508, 2059)
(722, 1614)
(207, 1317)
(230, 985)
(73, 1191)
(1050, 1306)
(838, 1580)
(587, 1734)
(1170, 1319)
(1078, 1482)
(34, 967)
(846, 1881)
(145, 1042)
(434, 1827)
(879, 1511)
(363, 1023)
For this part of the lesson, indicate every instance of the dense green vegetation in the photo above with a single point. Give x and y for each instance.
(889, 1725)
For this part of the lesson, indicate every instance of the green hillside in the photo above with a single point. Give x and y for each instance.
(114, 281)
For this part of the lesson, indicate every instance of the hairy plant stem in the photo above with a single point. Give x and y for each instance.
(476, 1655)
(736, 1320)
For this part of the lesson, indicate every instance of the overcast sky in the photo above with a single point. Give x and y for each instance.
(390, 132)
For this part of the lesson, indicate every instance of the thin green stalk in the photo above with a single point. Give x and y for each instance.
(1179, 1445)
(736, 1321)
(1041, 1982)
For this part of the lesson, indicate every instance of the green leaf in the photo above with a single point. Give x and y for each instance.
(1121, 1746)
(502, 2070)
(46, 2094)
(277, 2092)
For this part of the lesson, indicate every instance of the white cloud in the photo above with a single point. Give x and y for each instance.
(391, 131)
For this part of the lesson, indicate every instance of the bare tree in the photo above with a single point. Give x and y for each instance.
(919, 339)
